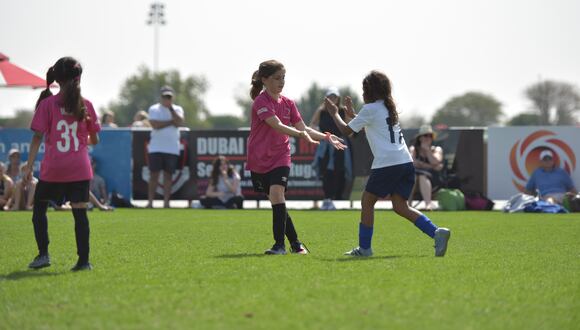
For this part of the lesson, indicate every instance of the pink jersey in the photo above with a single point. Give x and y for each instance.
(66, 156)
(268, 149)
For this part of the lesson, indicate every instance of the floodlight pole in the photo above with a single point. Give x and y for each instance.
(156, 18)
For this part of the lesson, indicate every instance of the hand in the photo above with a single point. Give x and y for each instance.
(27, 173)
(330, 106)
(307, 137)
(349, 107)
(335, 141)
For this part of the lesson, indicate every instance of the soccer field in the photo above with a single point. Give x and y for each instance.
(205, 269)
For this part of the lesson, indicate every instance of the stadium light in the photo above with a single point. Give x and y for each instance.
(156, 18)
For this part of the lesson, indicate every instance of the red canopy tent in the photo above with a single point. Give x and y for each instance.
(12, 75)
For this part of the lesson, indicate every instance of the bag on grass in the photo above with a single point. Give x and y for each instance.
(451, 200)
(572, 203)
(118, 201)
(477, 201)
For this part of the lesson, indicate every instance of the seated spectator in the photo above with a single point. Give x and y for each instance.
(23, 192)
(23, 198)
(97, 185)
(108, 119)
(224, 189)
(428, 160)
(550, 182)
(6, 186)
(141, 119)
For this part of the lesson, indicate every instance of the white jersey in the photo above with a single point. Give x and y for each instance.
(386, 141)
(166, 139)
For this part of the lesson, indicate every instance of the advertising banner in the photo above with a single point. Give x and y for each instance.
(112, 155)
(514, 153)
(183, 185)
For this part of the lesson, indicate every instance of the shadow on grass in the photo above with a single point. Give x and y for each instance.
(348, 259)
(22, 274)
(241, 255)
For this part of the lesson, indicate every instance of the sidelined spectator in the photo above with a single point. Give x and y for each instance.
(23, 190)
(141, 119)
(224, 189)
(165, 118)
(108, 120)
(332, 165)
(549, 181)
(428, 161)
(6, 186)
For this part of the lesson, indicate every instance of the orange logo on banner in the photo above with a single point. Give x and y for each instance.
(525, 155)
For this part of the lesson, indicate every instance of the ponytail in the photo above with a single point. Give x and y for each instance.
(393, 114)
(257, 85)
(265, 70)
(46, 92)
(67, 73)
(377, 86)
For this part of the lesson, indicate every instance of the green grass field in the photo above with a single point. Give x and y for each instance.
(170, 269)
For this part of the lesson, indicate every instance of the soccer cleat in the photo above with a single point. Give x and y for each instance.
(83, 266)
(359, 252)
(276, 249)
(40, 261)
(299, 248)
(441, 238)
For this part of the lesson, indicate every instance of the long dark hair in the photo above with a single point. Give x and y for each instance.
(265, 70)
(377, 86)
(215, 171)
(67, 73)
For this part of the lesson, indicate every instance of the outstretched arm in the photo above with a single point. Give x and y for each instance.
(280, 127)
(336, 142)
(333, 111)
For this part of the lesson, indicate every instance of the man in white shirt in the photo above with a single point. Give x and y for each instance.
(165, 118)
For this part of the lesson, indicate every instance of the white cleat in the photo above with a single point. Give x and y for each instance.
(40, 261)
(441, 238)
(359, 252)
(276, 250)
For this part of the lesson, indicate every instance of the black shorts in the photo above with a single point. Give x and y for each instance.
(60, 192)
(277, 176)
(160, 161)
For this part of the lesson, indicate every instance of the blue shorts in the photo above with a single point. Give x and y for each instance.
(396, 179)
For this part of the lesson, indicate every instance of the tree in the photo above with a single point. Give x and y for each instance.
(244, 101)
(469, 109)
(21, 119)
(225, 122)
(141, 90)
(307, 104)
(524, 119)
(413, 120)
(555, 102)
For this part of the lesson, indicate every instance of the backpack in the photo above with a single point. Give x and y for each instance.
(451, 200)
(477, 201)
(118, 201)
(572, 203)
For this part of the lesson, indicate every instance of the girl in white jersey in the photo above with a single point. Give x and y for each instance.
(392, 170)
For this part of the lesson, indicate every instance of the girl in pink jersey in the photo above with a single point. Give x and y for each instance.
(392, 173)
(68, 123)
(274, 119)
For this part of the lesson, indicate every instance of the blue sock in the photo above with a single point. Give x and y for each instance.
(365, 234)
(426, 225)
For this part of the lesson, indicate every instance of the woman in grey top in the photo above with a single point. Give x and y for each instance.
(224, 189)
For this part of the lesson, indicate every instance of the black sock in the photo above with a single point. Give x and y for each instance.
(82, 234)
(279, 222)
(40, 223)
(290, 230)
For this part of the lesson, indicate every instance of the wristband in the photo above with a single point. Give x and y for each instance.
(327, 138)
